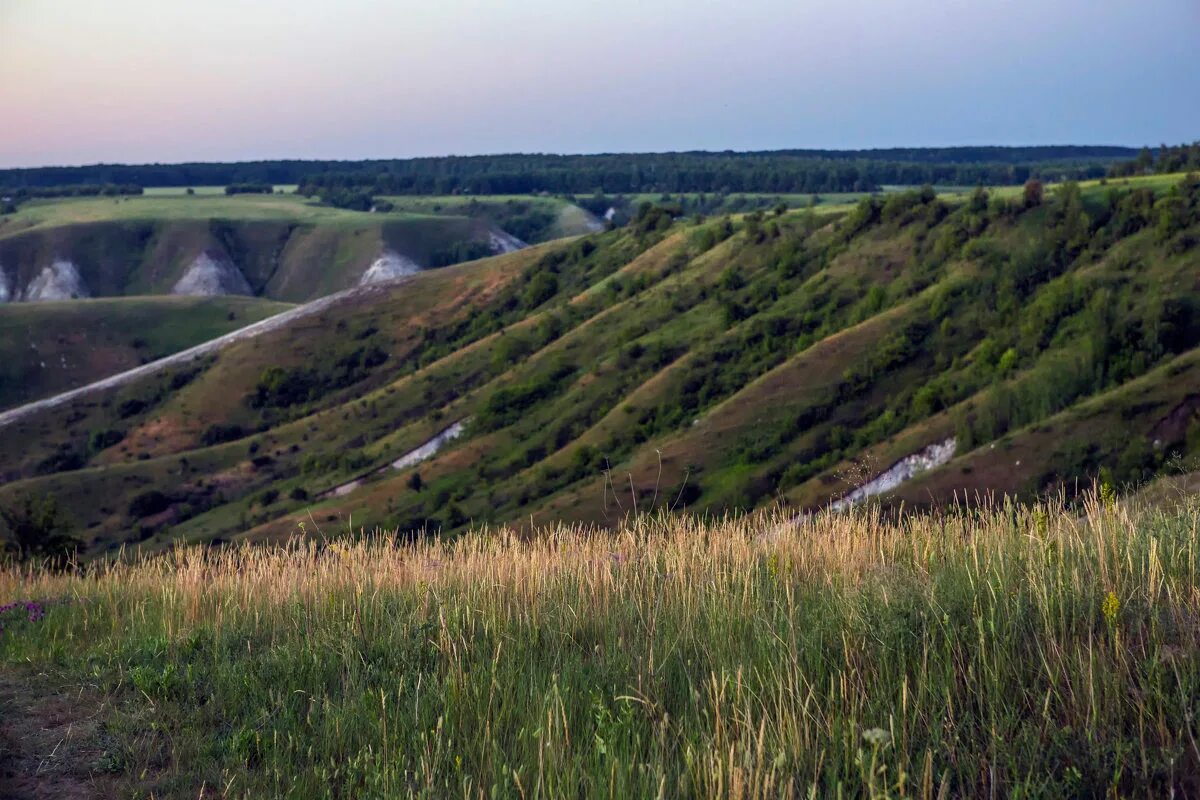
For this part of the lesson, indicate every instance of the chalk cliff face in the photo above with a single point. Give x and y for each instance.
(59, 281)
(212, 274)
(389, 266)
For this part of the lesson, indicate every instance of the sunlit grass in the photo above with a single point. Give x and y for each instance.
(1023, 651)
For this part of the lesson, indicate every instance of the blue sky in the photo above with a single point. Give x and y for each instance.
(141, 80)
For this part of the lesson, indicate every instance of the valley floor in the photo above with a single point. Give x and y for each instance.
(1033, 651)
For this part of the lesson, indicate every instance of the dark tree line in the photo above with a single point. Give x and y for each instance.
(680, 172)
(1180, 158)
(806, 171)
(249, 188)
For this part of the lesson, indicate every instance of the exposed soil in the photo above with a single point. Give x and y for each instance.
(1174, 425)
(52, 741)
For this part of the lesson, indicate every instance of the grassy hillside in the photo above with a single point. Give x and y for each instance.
(1025, 652)
(727, 363)
(286, 246)
(47, 348)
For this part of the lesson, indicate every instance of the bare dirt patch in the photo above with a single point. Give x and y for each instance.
(53, 742)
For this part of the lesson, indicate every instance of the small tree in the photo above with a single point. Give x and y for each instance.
(36, 529)
(1145, 161)
(1034, 192)
(414, 482)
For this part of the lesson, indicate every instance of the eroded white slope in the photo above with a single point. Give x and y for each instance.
(389, 266)
(212, 275)
(903, 470)
(58, 281)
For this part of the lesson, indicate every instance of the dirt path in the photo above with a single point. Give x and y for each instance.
(191, 354)
(52, 741)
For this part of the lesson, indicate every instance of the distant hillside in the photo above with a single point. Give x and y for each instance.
(907, 348)
(47, 348)
(762, 171)
(277, 246)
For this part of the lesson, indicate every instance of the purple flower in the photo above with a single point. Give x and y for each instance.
(34, 611)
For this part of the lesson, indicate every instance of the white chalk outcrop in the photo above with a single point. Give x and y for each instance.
(212, 275)
(431, 447)
(503, 242)
(5, 289)
(59, 281)
(905, 469)
(389, 266)
(409, 459)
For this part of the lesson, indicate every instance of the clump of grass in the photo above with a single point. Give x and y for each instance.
(1017, 651)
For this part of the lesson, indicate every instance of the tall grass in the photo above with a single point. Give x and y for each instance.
(1020, 651)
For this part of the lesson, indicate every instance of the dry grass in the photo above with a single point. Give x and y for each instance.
(1023, 651)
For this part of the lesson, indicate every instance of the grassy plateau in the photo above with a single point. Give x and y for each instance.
(1000, 651)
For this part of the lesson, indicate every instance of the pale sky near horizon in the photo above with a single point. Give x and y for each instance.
(140, 81)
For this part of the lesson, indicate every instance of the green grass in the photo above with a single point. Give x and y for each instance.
(46, 348)
(1020, 652)
(165, 207)
(732, 364)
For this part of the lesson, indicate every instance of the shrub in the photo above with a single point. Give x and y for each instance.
(102, 440)
(147, 504)
(218, 434)
(36, 529)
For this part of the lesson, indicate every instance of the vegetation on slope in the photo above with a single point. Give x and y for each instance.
(286, 247)
(712, 364)
(48, 348)
(1013, 651)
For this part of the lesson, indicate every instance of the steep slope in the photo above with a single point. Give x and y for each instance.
(728, 364)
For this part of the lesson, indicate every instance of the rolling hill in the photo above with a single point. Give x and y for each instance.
(278, 246)
(911, 347)
(48, 348)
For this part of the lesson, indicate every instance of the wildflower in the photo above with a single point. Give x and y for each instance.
(877, 737)
(1108, 495)
(33, 610)
(1110, 608)
(1041, 522)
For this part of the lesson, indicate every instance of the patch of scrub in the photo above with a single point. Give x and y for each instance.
(409, 459)
(389, 266)
(503, 242)
(905, 469)
(59, 281)
(212, 275)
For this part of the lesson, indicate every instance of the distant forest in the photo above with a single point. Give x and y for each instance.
(800, 171)
(1181, 158)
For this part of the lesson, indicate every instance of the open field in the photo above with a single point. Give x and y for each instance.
(242, 207)
(1021, 651)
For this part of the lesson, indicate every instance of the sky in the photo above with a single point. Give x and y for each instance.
(139, 81)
